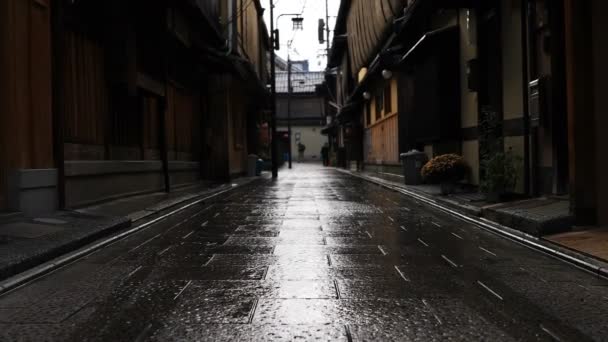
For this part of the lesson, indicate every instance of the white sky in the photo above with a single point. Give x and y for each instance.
(305, 43)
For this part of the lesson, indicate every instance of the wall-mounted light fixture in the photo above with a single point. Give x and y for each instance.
(387, 74)
(298, 23)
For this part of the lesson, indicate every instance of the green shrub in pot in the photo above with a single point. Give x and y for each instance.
(501, 170)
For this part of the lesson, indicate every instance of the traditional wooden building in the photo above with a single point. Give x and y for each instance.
(103, 99)
(458, 76)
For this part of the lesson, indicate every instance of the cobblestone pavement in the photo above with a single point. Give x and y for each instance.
(318, 255)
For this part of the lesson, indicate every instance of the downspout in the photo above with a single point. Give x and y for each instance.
(58, 46)
(526, 95)
(165, 106)
(232, 27)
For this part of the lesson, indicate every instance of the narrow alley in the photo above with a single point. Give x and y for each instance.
(316, 255)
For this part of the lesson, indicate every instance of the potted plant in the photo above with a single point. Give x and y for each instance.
(446, 170)
(501, 169)
(498, 168)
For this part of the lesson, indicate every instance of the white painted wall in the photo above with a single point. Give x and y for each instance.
(311, 137)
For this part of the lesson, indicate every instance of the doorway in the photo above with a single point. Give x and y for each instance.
(547, 90)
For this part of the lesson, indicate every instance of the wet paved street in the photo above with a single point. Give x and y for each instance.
(318, 255)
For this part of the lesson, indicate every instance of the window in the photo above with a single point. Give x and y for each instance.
(379, 105)
(388, 99)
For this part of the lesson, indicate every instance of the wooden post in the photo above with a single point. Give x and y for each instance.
(165, 105)
(581, 137)
(58, 40)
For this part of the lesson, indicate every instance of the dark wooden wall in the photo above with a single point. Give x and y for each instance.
(25, 87)
(86, 99)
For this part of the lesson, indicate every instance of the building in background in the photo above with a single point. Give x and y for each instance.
(475, 78)
(307, 108)
(281, 65)
(102, 99)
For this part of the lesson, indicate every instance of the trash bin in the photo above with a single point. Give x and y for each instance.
(413, 161)
(259, 167)
(252, 161)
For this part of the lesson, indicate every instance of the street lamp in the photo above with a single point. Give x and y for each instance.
(298, 24)
(387, 74)
(273, 95)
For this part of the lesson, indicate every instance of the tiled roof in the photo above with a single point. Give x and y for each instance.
(301, 82)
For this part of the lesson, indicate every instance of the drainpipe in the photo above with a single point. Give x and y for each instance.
(526, 95)
(232, 26)
(58, 48)
(165, 105)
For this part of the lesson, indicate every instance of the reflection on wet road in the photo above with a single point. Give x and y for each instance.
(318, 255)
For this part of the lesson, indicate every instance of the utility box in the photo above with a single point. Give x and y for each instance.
(413, 161)
(252, 165)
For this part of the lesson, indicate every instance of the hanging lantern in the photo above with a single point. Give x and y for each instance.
(298, 23)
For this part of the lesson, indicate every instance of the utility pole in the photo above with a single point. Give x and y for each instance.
(289, 107)
(273, 106)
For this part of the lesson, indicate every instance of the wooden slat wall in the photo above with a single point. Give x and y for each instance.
(237, 132)
(367, 24)
(250, 35)
(86, 99)
(25, 88)
(182, 124)
(385, 141)
(215, 163)
(151, 132)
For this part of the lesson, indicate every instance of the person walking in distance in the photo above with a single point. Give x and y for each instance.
(325, 154)
(301, 149)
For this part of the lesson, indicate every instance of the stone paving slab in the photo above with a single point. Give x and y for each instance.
(370, 272)
(250, 333)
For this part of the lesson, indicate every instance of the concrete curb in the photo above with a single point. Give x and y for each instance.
(12, 267)
(25, 277)
(589, 264)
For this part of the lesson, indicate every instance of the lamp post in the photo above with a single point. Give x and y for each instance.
(273, 90)
(297, 25)
(289, 108)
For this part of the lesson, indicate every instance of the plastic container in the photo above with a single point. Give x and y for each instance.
(413, 161)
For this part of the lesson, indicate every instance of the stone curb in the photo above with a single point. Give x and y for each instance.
(589, 264)
(43, 254)
(66, 254)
